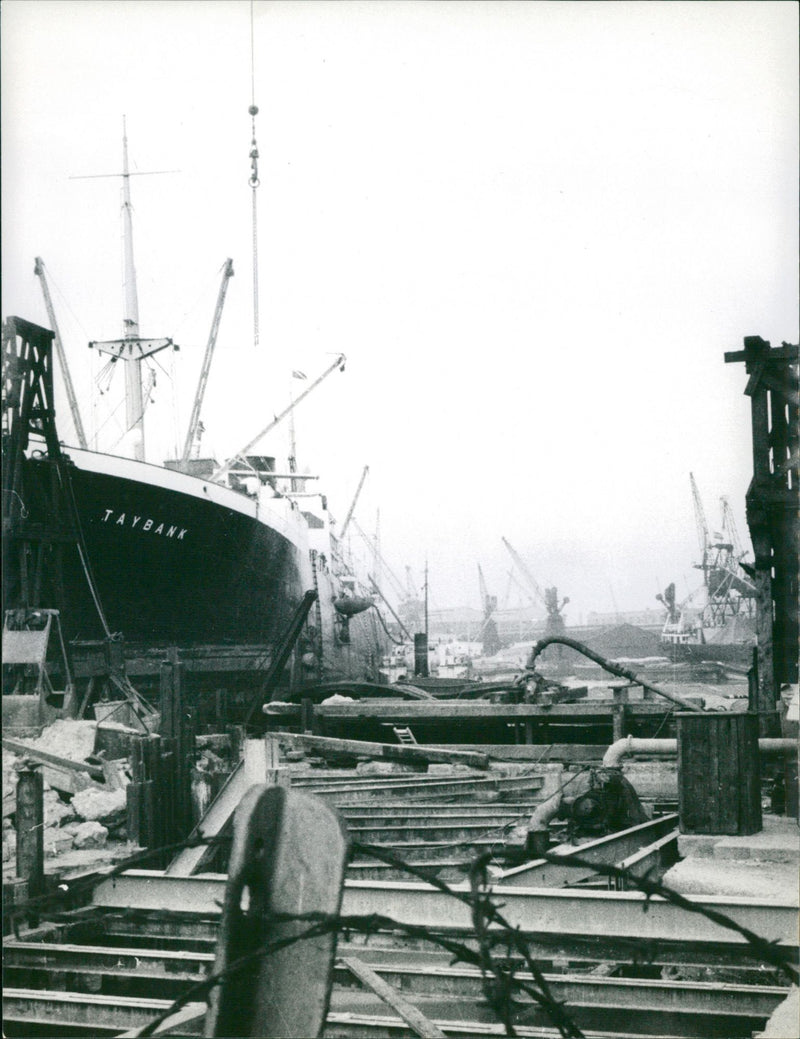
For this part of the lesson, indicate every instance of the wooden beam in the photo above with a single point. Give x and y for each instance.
(471, 710)
(413, 1016)
(27, 751)
(389, 751)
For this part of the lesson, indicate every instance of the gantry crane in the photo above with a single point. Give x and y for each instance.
(192, 433)
(729, 590)
(38, 270)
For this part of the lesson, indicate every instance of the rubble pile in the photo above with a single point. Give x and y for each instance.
(79, 812)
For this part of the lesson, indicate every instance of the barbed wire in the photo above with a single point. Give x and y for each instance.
(500, 974)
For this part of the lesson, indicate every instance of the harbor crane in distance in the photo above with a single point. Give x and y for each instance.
(193, 432)
(729, 590)
(489, 635)
(38, 270)
(549, 598)
(700, 519)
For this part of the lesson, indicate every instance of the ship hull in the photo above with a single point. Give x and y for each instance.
(175, 560)
(179, 561)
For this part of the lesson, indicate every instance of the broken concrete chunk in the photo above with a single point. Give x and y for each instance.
(94, 804)
(89, 835)
(69, 739)
(57, 841)
(56, 813)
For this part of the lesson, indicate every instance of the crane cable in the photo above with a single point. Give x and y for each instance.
(254, 181)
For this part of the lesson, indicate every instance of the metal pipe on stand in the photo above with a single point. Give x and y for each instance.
(633, 745)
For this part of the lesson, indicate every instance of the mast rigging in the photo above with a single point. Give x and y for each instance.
(131, 348)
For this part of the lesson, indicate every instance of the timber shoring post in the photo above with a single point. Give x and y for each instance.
(30, 830)
(307, 714)
(772, 503)
(185, 752)
(619, 713)
(177, 728)
(133, 793)
(615, 669)
(150, 754)
(752, 682)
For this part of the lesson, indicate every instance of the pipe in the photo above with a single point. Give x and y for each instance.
(537, 839)
(632, 745)
(615, 669)
(777, 745)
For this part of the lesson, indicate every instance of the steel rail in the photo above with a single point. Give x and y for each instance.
(621, 914)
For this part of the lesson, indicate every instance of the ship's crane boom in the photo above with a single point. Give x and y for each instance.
(38, 270)
(225, 469)
(354, 502)
(373, 547)
(194, 421)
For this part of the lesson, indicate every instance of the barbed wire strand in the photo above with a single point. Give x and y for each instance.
(489, 925)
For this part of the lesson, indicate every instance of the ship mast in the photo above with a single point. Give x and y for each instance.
(131, 348)
(134, 410)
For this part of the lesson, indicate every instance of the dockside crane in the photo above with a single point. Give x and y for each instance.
(730, 591)
(548, 598)
(530, 580)
(730, 530)
(489, 635)
(700, 519)
(192, 433)
(38, 270)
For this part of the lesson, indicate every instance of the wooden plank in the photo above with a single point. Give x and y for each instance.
(413, 1017)
(219, 812)
(27, 751)
(455, 711)
(389, 751)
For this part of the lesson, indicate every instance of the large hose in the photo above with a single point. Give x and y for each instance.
(615, 669)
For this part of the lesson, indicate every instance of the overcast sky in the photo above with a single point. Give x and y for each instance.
(534, 229)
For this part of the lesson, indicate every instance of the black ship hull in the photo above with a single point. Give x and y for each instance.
(175, 560)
